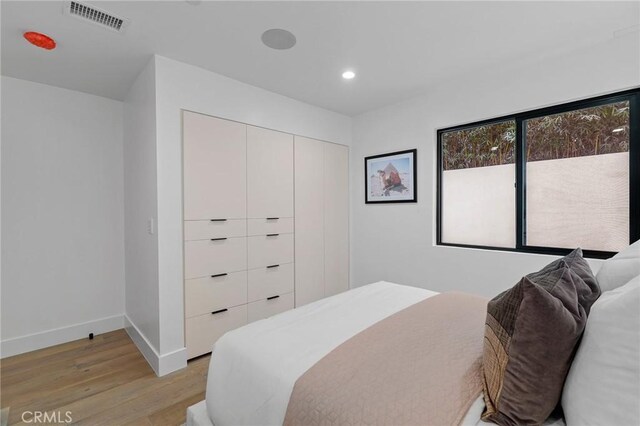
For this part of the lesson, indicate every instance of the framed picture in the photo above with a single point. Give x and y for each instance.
(391, 178)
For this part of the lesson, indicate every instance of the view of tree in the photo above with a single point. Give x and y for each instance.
(488, 145)
(590, 131)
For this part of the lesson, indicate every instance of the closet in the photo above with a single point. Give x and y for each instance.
(322, 219)
(215, 229)
(265, 224)
(269, 222)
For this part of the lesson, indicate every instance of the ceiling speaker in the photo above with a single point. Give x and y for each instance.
(277, 38)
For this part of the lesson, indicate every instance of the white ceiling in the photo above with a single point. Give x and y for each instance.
(398, 49)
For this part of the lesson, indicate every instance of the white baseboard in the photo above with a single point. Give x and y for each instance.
(173, 361)
(44, 339)
(146, 348)
(161, 364)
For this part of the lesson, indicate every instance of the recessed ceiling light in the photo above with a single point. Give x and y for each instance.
(279, 39)
(348, 75)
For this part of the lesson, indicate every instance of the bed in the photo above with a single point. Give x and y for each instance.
(254, 369)
(259, 372)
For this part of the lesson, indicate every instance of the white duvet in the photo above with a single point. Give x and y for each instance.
(253, 369)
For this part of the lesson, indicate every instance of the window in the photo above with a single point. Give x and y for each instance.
(544, 181)
(478, 197)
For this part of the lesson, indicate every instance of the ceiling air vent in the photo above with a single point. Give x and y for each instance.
(96, 16)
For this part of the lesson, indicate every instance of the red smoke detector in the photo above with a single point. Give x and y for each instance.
(40, 40)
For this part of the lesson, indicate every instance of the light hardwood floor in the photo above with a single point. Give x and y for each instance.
(104, 381)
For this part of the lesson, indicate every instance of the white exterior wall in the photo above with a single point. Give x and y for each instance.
(570, 202)
(479, 206)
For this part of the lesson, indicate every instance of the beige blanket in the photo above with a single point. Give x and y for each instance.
(420, 366)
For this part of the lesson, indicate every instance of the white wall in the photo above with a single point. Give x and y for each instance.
(141, 206)
(62, 215)
(397, 242)
(180, 86)
(478, 206)
(588, 208)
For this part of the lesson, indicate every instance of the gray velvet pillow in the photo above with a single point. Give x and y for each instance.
(574, 260)
(530, 337)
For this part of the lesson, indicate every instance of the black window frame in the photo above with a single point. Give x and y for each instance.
(632, 96)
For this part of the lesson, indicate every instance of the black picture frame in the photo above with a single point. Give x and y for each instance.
(411, 197)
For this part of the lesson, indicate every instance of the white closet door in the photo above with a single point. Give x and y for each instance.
(215, 174)
(269, 173)
(336, 219)
(309, 238)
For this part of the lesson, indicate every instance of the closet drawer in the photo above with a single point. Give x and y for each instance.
(206, 257)
(266, 282)
(267, 308)
(281, 225)
(216, 228)
(208, 294)
(266, 250)
(203, 331)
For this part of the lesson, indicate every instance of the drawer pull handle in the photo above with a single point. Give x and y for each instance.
(218, 220)
(219, 275)
(272, 235)
(219, 311)
(272, 297)
(218, 239)
(273, 218)
(272, 266)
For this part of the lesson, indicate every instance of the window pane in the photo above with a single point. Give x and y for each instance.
(478, 195)
(577, 179)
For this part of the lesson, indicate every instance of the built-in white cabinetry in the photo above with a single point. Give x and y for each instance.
(281, 225)
(208, 179)
(269, 250)
(250, 250)
(270, 281)
(214, 256)
(207, 294)
(336, 219)
(270, 224)
(309, 212)
(215, 229)
(321, 219)
(269, 174)
(202, 331)
(269, 307)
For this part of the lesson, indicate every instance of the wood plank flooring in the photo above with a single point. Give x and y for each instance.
(104, 381)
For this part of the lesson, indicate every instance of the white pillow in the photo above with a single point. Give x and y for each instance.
(620, 268)
(603, 384)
